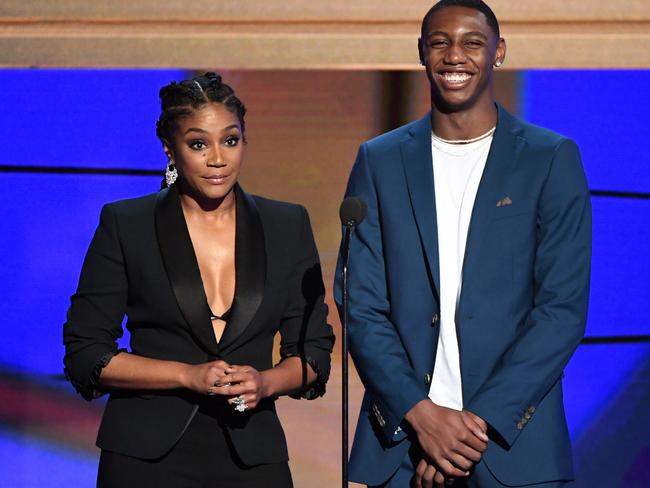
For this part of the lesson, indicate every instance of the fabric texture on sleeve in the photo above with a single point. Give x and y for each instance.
(94, 320)
(304, 330)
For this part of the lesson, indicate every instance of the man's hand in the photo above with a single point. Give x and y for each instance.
(453, 441)
(427, 476)
(477, 422)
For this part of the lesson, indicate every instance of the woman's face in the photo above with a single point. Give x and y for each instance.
(208, 150)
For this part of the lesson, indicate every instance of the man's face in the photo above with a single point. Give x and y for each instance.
(458, 49)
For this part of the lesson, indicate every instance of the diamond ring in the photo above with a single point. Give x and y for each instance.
(240, 404)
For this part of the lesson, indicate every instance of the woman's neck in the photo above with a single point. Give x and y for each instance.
(197, 208)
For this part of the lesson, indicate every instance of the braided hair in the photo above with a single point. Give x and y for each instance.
(178, 100)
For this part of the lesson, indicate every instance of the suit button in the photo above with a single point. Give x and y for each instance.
(434, 319)
(427, 379)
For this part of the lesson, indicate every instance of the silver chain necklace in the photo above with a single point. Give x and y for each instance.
(467, 141)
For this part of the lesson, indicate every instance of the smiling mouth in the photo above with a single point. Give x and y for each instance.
(456, 78)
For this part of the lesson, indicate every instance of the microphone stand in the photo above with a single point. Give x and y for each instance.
(349, 226)
(352, 212)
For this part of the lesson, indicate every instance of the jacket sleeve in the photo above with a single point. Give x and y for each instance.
(304, 330)
(375, 345)
(535, 360)
(94, 320)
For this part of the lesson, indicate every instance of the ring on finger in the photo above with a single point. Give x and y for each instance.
(239, 403)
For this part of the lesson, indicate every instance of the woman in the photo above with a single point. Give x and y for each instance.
(207, 275)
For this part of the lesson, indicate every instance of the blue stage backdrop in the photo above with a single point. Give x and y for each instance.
(607, 382)
(58, 128)
(66, 130)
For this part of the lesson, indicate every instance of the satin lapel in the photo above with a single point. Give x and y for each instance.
(501, 161)
(250, 265)
(418, 167)
(182, 268)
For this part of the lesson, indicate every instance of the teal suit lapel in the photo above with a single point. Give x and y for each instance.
(418, 168)
(500, 163)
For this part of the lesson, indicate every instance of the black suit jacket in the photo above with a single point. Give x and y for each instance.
(141, 263)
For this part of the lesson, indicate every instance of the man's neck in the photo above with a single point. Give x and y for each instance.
(464, 124)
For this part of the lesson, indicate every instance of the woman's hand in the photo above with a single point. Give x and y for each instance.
(207, 378)
(246, 386)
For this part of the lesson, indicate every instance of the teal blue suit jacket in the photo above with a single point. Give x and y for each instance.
(523, 305)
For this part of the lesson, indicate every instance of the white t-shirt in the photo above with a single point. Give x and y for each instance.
(457, 170)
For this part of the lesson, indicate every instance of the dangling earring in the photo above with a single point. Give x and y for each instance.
(497, 63)
(170, 173)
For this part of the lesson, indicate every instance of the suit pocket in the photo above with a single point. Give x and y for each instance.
(511, 211)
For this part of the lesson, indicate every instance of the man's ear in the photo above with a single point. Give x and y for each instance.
(501, 52)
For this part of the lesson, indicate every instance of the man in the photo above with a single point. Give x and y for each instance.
(468, 279)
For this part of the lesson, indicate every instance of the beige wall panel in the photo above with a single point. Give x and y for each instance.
(337, 10)
(559, 50)
(567, 10)
(250, 52)
(365, 34)
(568, 51)
(276, 10)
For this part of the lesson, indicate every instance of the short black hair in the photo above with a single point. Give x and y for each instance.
(479, 5)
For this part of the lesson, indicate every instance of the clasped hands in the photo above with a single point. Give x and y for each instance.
(238, 383)
(452, 442)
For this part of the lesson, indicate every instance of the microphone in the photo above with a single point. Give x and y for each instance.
(352, 212)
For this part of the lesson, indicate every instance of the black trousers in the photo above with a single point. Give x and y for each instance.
(202, 458)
